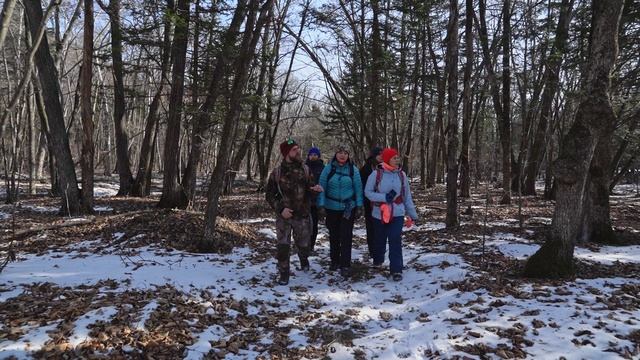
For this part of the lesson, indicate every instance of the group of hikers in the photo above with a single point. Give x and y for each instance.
(303, 191)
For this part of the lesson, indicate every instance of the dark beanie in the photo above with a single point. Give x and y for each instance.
(375, 151)
(286, 146)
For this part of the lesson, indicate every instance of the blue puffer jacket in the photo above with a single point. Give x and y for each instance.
(390, 180)
(340, 187)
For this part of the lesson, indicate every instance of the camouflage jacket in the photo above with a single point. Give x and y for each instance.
(293, 191)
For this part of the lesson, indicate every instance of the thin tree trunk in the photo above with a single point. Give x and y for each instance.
(433, 164)
(5, 19)
(451, 220)
(139, 187)
(122, 141)
(505, 120)
(250, 40)
(202, 122)
(86, 72)
(552, 78)
(467, 105)
(173, 194)
(594, 116)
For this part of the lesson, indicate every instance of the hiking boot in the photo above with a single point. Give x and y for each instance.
(396, 277)
(345, 272)
(333, 267)
(284, 278)
(304, 265)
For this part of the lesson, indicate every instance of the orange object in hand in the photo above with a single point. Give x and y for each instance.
(386, 212)
(408, 222)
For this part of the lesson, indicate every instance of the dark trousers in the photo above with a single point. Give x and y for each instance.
(393, 233)
(340, 237)
(371, 235)
(314, 227)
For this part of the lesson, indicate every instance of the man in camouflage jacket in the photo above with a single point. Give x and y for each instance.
(290, 190)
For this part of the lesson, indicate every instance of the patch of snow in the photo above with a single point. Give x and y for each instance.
(81, 332)
(254, 221)
(610, 254)
(202, 346)
(41, 209)
(269, 233)
(147, 310)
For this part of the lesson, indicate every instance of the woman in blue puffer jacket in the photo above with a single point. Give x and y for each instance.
(342, 201)
(388, 190)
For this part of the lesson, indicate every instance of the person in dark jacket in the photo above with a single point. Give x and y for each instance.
(316, 165)
(342, 200)
(290, 189)
(373, 161)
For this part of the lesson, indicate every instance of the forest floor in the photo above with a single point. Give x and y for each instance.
(126, 283)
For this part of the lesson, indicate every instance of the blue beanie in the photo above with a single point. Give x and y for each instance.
(314, 150)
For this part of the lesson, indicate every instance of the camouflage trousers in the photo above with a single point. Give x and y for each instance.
(301, 231)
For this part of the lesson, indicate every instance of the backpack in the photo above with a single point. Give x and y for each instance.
(376, 187)
(333, 172)
(276, 176)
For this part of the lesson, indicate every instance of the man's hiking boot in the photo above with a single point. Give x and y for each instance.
(284, 278)
(345, 272)
(396, 277)
(333, 267)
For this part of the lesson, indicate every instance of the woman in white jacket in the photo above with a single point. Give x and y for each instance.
(388, 190)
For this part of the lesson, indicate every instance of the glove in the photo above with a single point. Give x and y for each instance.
(357, 213)
(390, 196)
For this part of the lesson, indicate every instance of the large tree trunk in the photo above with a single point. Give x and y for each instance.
(467, 104)
(552, 78)
(452, 116)
(59, 140)
(202, 121)
(249, 42)
(593, 119)
(173, 194)
(139, 187)
(86, 72)
(122, 141)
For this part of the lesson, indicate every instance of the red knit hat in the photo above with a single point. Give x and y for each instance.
(388, 153)
(286, 146)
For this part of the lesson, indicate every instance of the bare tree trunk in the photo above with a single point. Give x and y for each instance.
(122, 141)
(173, 194)
(202, 121)
(452, 116)
(467, 104)
(51, 95)
(86, 76)
(505, 120)
(594, 116)
(552, 77)
(250, 40)
(597, 225)
(433, 164)
(377, 63)
(139, 187)
(5, 19)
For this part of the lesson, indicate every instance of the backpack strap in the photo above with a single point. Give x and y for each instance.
(399, 199)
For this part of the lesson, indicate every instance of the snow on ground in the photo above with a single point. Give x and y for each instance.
(411, 319)
(104, 189)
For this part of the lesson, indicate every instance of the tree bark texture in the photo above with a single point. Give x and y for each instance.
(571, 170)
